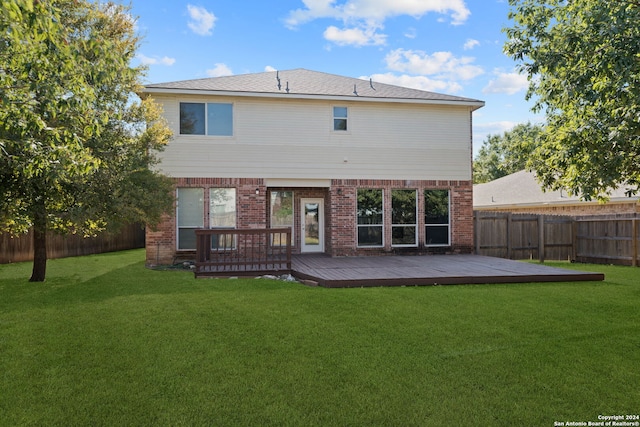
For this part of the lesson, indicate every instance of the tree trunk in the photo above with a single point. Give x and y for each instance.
(39, 244)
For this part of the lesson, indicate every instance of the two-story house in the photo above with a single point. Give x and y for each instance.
(353, 167)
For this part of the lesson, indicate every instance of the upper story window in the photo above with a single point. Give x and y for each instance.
(340, 118)
(199, 118)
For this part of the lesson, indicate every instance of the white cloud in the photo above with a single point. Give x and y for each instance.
(509, 83)
(376, 10)
(219, 70)
(269, 68)
(202, 20)
(411, 33)
(149, 60)
(443, 65)
(416, 82)
(470, 44)
(362, 18)
(354, 36)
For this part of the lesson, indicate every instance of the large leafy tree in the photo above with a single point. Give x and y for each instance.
(506, 153)
(583, 63)
(75, 148)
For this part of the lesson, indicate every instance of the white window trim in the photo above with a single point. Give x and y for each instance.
(448, 224)
(415, 226)
(178, 227)
(348, 119)
(370, 225)
(293, 213)
(206, 121)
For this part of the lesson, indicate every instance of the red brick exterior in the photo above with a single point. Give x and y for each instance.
(340, 203)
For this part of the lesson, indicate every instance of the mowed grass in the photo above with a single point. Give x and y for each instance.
(106, 342)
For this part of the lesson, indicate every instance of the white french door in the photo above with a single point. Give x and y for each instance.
(312, 225)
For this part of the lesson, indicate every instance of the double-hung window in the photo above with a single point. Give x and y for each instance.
(436, 218)
(340, 118)
(281, 215)
(190, 215)
(222, 214)
(370, 218)
(403, 218)
(212, 118)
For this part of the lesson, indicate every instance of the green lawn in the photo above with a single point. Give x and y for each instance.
(106, 342)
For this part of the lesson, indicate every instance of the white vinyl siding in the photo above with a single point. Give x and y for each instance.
(290, 139)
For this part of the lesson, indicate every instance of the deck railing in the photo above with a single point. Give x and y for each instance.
(247, 252)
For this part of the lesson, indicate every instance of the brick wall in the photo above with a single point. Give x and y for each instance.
(340, 203)
(343, 209)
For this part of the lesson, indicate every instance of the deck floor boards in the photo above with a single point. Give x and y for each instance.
(427, 270)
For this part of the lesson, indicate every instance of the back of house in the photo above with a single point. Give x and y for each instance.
(352, 166)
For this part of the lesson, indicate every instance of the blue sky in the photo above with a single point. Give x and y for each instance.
(446, 46)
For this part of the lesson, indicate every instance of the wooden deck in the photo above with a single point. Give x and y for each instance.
(426, 270)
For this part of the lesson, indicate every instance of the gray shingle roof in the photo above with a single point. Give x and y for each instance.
(523, 189)
(307, 83)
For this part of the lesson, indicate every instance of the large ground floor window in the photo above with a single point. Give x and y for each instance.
(222, 214)
(404, 215)
(281, 214)
(190, 215)
(436, 218)
(370, 218)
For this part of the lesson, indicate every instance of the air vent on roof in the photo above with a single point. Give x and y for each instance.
(278, 79)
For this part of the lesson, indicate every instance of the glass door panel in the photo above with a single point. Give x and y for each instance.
(312, 225)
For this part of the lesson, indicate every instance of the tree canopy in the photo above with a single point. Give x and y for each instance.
(582, 59)
(502, 155)
(76, 149)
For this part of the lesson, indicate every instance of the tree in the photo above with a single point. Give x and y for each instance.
(582, 59)
(501, 155)
(76, 150)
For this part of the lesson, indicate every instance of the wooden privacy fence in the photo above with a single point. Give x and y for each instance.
(607, 240)
(18, 249)
(227, 252)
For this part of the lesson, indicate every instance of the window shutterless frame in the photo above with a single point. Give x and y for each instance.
(189, 216)
(282, 214)
(222, 215)
(404, 216)
(210, 118)
(437, 218)
(370, 218)
(340, 119)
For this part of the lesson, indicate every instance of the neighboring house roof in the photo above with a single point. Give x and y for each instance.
(301, 83)
(522, 189)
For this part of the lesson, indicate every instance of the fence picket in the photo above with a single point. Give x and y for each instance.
(608, 239)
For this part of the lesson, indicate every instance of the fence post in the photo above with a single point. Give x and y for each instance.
(476, 228)
(634, 242)
(574, 240)
(541, 238)
(509, 225)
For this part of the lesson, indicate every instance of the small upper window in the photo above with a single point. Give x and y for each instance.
(198, 118)
(340, 118)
